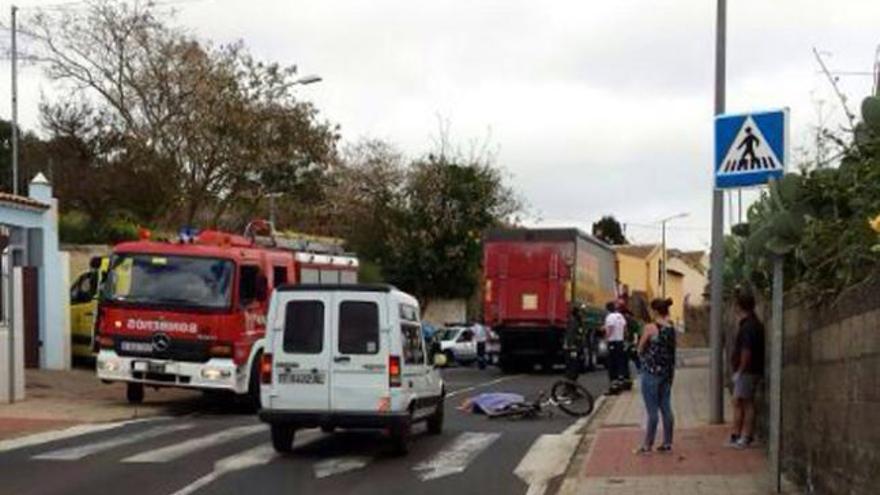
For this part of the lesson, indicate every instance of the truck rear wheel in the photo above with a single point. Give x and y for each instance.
(134, 392)
(282, 438)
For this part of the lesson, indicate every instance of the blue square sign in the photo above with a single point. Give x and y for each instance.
(751, 148)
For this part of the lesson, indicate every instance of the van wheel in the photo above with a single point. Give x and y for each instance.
(282, 438)
(253, 393)
(435, 422)
(134, 392)
(400, 436)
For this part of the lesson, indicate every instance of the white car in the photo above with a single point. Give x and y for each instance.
(458, 344)
(349, 356)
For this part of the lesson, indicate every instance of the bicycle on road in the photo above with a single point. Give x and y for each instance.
(566, 394)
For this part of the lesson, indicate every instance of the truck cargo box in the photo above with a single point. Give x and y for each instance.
(533, 277)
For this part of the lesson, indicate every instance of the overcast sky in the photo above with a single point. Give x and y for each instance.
(595, 107)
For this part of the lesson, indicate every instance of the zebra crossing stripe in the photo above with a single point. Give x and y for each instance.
(455, 458)
(257, 456)
(179, 450)
(73, 431)
(339, 465)
(80, 451)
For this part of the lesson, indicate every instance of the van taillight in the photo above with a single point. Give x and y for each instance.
(266, 369)
(394, 371)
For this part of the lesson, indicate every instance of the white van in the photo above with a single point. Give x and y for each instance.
(349, 356)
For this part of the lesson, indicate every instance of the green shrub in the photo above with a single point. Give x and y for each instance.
(76, 227)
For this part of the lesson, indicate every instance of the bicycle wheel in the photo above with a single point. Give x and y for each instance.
(572, 398)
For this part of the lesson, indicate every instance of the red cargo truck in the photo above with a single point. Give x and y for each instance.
(533, 278)
(192, 313)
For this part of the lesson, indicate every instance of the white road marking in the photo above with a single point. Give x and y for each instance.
(550, 455)
(579, 424)
(339, 465)
(73, 431)
(179, 450)
(80, 451)
(456, 457)
(480, 385)
(257, 456)
(546, 459)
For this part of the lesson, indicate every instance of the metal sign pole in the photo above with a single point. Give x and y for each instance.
(716, 397)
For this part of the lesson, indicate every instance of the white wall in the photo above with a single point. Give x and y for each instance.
(694, 281)
(14, 372)
(440, 311)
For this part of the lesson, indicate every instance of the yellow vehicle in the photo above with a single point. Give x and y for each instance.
(84, 307)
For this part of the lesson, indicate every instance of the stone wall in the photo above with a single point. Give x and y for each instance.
(831, 394)
(81, 254)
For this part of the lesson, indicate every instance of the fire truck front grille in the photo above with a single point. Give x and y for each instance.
(178, 350)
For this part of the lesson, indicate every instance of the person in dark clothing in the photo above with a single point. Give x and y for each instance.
(747, 363)
(657, 350)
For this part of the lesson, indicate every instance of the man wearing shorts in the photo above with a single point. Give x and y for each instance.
(747, 363)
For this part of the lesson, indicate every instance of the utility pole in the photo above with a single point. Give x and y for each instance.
(14, 104)
(664, 269)
(716, 397)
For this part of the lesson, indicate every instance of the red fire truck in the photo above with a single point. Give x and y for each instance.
(535, 280)
(192, 313)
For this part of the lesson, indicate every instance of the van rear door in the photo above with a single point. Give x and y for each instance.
(303, 349)
(359, 365)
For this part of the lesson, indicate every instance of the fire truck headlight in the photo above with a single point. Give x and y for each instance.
(109, 365)
(215, 374)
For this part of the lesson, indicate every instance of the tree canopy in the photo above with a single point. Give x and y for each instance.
(609, 230)
(217, 128)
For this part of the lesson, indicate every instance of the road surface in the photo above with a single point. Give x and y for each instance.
(215, 452)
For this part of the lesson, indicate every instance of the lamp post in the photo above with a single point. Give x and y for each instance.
(302, 81)
(663, 271)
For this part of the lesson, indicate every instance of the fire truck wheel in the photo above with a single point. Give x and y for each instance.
(134, 392)
(282, 438)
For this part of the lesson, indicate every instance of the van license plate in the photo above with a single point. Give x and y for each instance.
(301, 378)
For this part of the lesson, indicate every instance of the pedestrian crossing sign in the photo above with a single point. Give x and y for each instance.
(750, 149)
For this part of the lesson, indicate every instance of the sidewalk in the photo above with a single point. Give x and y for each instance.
(61, 399)
(699, 464)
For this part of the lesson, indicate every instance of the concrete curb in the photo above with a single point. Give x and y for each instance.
(586, 427)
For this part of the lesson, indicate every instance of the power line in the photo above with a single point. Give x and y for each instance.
(668, 227)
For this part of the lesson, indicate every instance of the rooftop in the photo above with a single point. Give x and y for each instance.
(637, 250)
(14, 200)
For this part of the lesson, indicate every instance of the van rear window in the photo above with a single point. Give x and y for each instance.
(304, 327)
(358, 327)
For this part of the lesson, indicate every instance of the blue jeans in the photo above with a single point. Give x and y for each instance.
(657, 393)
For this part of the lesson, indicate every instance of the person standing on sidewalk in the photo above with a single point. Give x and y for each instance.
(615, 329)
(747, 363)
(657, 351)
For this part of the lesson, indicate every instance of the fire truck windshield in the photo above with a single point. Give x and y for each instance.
(169, 280)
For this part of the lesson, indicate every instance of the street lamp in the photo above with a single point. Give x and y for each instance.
(309, 79)
(663, 271)
(302, 81)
